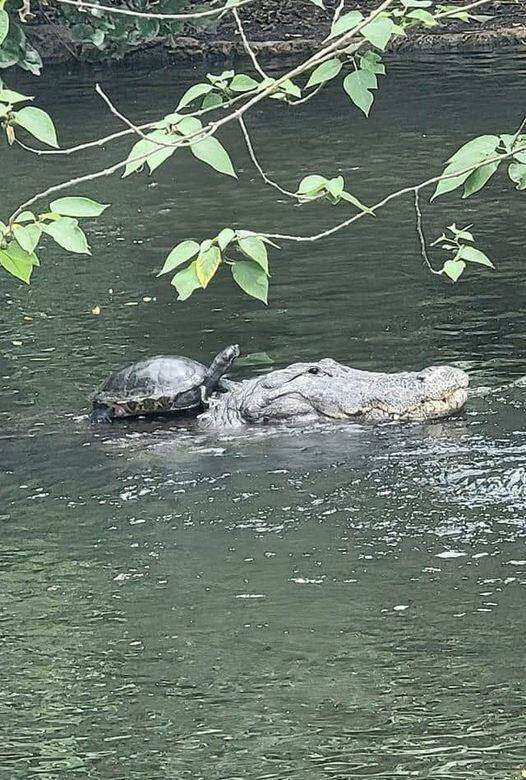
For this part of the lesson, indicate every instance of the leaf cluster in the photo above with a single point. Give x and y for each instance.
(20, 238)
(243, 251)
(484, 152)
(34, 120)
(461, 253)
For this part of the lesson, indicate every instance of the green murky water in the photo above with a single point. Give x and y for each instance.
(336, 603)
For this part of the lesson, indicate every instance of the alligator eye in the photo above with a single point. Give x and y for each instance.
(314, 370)
(421, 378)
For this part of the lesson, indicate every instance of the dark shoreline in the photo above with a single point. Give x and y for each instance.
(278, 29)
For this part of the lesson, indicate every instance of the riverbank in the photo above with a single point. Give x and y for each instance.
(278, 29)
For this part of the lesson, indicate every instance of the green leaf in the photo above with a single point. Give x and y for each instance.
(312, 184)
(226, 74)
(251, 278)
(255, 359)
(26, 216)
(346, 22)
(357, 85)
(335, 186)
(423, 16)
(4, 26)
(38, 123)
(247, 233)
(399, 31)
(18, 262)
(10, 96)
(290, 88)
(319, 3)
(325, 72)
(378, 32)
(78, 207)
(207, 264)
(517, 173)
(520, 157)
(372, 62)
(66, 232)
(473, 255)
(475, 151)
(179, 255)
(186, 281)
(213, 153)
(507, 141)
(447, 185)
(461, 233)
(242, 83)
(225, 237)
(194, 92)
(147, 151)
(27, 236)
(478, 178)
(161, 153)
(443, 237)
(189, 125)
(417, 3)
(253, 247)
(454, 269)
(168, 122)
(355, 202)
(212, 100)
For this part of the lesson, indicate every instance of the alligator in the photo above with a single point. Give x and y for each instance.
(327, 390)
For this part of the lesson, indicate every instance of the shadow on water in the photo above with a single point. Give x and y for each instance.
(332, 603)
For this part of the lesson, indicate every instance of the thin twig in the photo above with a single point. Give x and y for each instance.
(519, 131)
(134, 128)
(183, 140)
(337, 12)
(305, 99)
(260, 170)
(123, 133)
(80, 4)
(421, 235)
(392, 196)
(247, 45)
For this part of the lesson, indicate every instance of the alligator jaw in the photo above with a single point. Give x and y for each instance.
(429, 410)
(426, 410)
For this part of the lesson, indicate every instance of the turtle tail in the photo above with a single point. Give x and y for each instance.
(219, 366)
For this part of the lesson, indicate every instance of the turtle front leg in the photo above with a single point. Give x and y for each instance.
(101, 415)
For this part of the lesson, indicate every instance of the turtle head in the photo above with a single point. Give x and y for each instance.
(227, 356)
(219, 366)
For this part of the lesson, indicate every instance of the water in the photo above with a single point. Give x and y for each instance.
(343, 602)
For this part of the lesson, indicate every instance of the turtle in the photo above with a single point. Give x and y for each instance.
(161, 384)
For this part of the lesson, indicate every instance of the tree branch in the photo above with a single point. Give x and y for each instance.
(392, 196)
(246, 44)
(421, 235)
(326, 52)
(80, 5)
(260, 170)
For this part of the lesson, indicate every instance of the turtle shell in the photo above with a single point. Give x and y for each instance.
(159, 384)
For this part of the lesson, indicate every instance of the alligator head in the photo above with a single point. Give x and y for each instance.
(327, 390)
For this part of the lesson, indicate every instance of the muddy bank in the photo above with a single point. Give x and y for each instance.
(278, 29)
